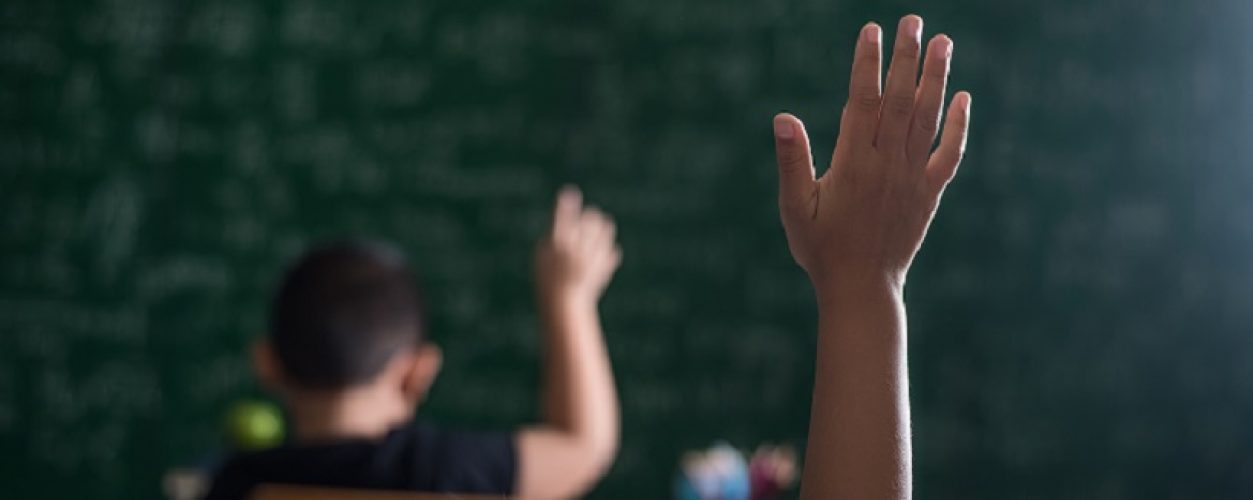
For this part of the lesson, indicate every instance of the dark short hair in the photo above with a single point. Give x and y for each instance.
(342, 312)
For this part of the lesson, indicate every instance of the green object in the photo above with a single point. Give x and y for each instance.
(254, 425)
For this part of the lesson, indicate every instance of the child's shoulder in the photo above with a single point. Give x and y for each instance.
(462, 456)
(452, 459)
(418, 456)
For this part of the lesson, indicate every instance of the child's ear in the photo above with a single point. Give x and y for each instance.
(422, 372)
(266, 366)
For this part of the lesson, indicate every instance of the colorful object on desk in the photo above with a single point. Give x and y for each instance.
(772, 471)
(721, 473)
(254, 425)
(185, 483)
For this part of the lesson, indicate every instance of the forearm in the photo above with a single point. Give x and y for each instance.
(866, 217)
(859, 436)
(580, 399)
(572, 448)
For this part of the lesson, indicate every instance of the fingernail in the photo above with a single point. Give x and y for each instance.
(872, 33)
(963, 101)
(946, 46)
(783, 129)
(912, 25)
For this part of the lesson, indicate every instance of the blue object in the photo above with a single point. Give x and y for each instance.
(721, 473)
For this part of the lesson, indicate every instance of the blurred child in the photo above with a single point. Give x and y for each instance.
(347, 354)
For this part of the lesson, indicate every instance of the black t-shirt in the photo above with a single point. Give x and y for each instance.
(415, 457)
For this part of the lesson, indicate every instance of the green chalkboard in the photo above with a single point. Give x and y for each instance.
(1080, 315)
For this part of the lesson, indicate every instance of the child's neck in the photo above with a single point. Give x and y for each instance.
(363, 413)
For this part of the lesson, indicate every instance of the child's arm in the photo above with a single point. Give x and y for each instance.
(576, 443)
(855, 231)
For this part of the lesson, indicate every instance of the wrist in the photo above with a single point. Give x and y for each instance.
(566, 297)
(855, 289)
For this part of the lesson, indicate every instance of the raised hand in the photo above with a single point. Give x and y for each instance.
(577, 440)
(578, 256)
(866, 216)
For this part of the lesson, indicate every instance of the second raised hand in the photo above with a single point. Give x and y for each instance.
(578, 256)
(866, 216)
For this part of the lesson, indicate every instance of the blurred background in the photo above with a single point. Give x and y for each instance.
(1080, 314)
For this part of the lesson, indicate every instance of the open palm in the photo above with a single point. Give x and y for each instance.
(866, 217)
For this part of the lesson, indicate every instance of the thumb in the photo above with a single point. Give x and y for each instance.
(796, 164)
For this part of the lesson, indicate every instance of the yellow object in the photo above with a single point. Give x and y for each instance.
(254, 425)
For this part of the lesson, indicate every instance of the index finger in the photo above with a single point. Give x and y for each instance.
(861, 113)
(566, 212)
